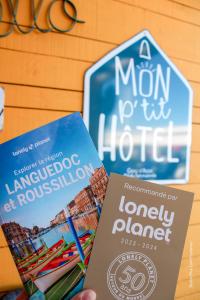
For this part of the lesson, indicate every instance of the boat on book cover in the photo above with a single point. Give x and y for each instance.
(32, 257)
(32, 269)
(52, 189)
(61, 264)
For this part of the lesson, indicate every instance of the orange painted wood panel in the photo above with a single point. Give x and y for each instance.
(190, 297)
(194, 188)
(195, 139)
(189, 3)
(184, 270)
(20, 120)
(41, 71)
(42, 98)
(3, 242)
(171, 9)
(194, 219)
(192, 239)
(59, 45)
(8, 270)
(183, 288)
(101, 25)
(194, 166)
(196, 115)
(32, 69)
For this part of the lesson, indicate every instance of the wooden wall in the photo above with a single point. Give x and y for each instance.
(43, 78)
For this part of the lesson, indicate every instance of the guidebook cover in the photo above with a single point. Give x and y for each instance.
(52, 187)
(145, 235)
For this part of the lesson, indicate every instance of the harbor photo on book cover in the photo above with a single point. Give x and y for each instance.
(52, 189)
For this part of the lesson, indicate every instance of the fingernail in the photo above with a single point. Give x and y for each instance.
(88, 295)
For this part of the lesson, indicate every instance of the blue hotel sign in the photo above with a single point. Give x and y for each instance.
(138, 109)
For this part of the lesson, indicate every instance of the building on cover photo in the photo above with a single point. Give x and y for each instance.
(84, 203)
(14, 232)
(98, 182)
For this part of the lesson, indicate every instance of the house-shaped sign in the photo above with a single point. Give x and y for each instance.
(137, 108)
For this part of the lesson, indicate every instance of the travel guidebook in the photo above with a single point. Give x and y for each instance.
(144, 226)
(52, 187)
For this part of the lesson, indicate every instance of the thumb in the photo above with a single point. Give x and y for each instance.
(85, 295)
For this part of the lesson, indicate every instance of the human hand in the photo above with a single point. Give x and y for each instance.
(85, 295)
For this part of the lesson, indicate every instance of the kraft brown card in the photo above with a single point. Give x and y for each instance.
(140, 239)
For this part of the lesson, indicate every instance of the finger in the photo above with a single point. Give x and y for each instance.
(86, 295)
